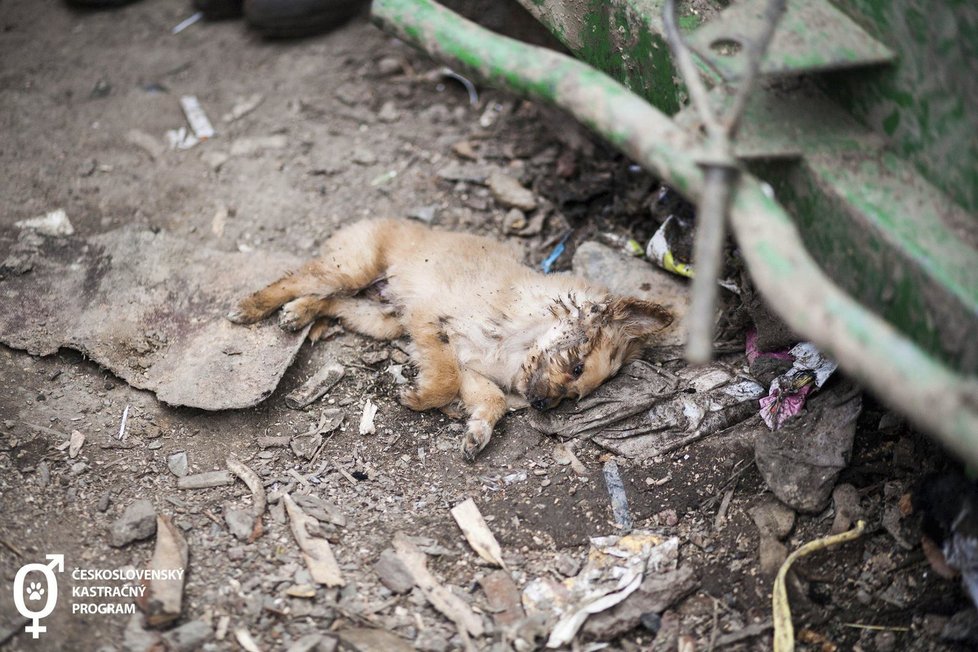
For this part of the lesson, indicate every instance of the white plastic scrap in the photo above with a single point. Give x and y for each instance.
(615, 568)
(196, 117)
(367, 426)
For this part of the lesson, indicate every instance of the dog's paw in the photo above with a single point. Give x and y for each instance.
(411, 398)
(245, 313)
(294, 317)
(475, 439)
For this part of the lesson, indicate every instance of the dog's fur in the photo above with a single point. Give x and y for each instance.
(484, 329)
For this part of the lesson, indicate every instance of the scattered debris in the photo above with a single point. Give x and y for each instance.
(240, 523)
(122, 424)
(137, 522)
(205, 480)
(547, 264)
(321, 510)
(367, 426)
(315, 550)
(363, 639)
(188, 637)
(784, 637)
(317, 385)
(259, 501)
(178, 464)
(645, 411)
(672, 245)
(477, 533)
(187, 22)
(245, 640)
(786, 397)
(54, 223)
(196, 117)
(257, 144)
(619, 501)
(162, 602)
(75, 443)
(243, 107)
(467, 622)
(469, 86)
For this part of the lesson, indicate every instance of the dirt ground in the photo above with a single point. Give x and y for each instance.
(355, 124)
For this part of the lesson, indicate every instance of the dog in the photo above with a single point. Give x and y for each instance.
(485, 330)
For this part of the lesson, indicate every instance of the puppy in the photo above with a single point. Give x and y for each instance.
(485, 330)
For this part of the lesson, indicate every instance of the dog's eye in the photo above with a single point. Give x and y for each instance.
(578, 370)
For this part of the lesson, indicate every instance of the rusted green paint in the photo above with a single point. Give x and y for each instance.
(621, 38)
(890, 240)
(941, 401)
(812, 35)
(926, 101)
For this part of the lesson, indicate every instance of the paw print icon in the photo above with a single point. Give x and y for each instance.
(34, 591)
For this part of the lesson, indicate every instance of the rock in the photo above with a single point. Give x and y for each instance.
(374, 357)
(240, 522)
(771, 555)
(510, 193)
(392, 572)
(388, 112)
(567, 565)
(470, 173)
(388, 66)
(305, 446)
(430, 641)
(425, 214)
(630, 276)
(364, 156)
(514, 221)
(136, 523)
(801, 461)
(464, 149)
(103, 501)
(848, 510)
(187, 637)
(772, 518)
(503, 597)
(177, 463)
(137, 639)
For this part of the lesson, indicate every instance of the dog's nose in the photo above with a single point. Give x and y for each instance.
(539, 404)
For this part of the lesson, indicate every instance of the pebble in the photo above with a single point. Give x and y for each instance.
(137, 522)
(103, 501)
(389, 66)
(392, 572)
(177, 463)
(388, 112)
(510, 193)
(425, 214)
(364, 157)
(240, 523)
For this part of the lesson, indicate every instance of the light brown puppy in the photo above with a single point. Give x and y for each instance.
(485, 329)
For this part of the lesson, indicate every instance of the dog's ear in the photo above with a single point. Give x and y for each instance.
(638, 318)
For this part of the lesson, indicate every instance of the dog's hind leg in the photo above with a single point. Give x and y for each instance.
(439, 377)
(354, 258)
(486, 405)
(361, 315)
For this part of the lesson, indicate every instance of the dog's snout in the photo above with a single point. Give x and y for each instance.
(539, 404)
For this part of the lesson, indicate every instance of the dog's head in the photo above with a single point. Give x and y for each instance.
(587, 344)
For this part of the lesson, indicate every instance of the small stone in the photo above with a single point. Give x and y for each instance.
(668, 517)
(567, 565)
(429, 641)
(136, 523)
(388, 112)
(177, 463)
(514, 221)
(374, 357)
(464, 149)
(772, 518)
(364, 157)
(103, 501)
(400, 357)
(78, 468)
(389, 66)
(424, 214)
(392, 572)
(236, 553)
(305, 446)
(187, 637)
(510, 193)
(240, 522)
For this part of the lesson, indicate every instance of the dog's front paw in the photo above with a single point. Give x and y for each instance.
(411, 398)
(246, 312)
(475, 439)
